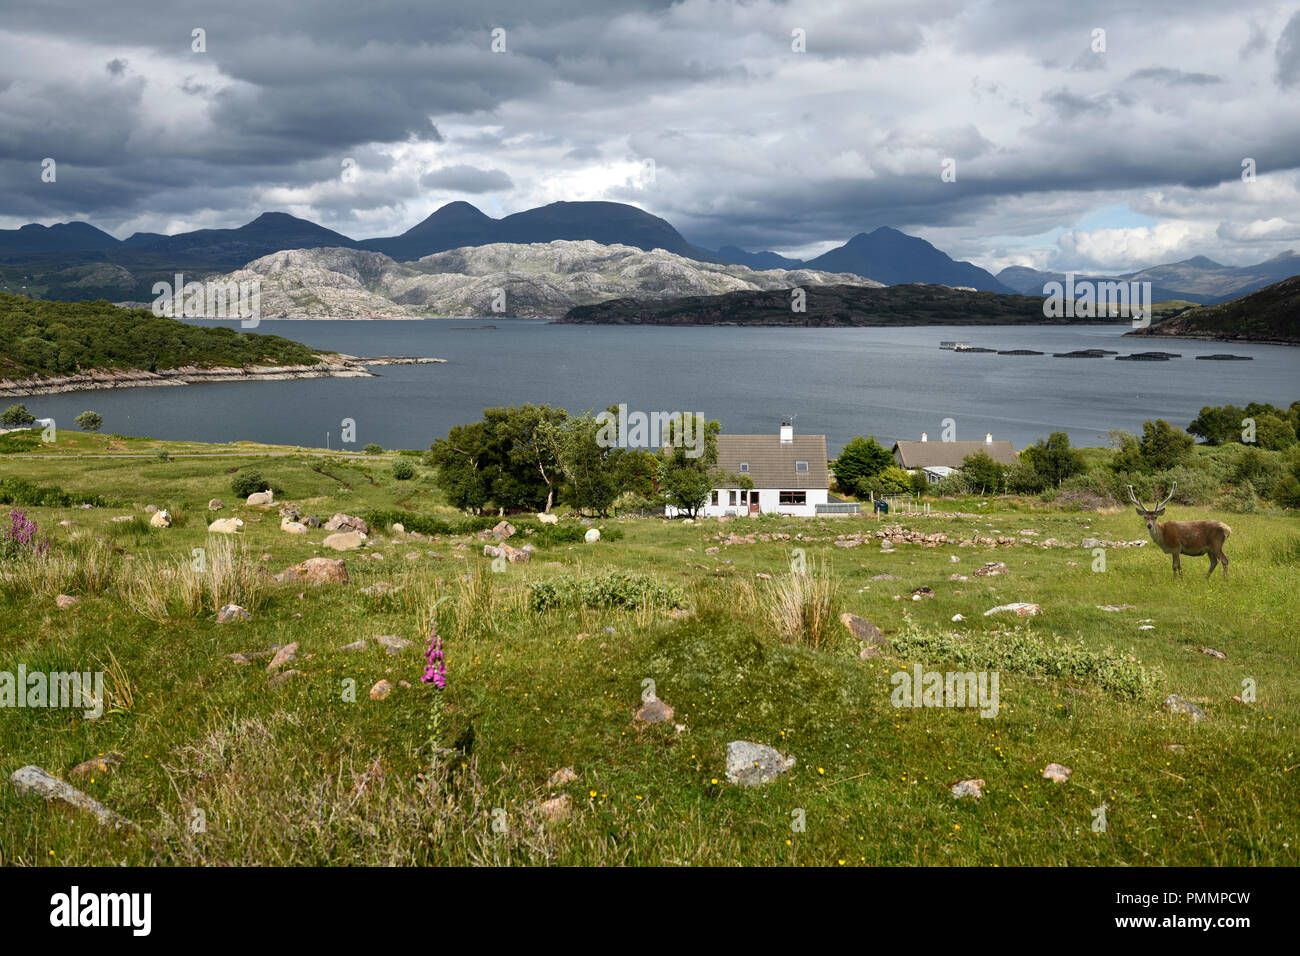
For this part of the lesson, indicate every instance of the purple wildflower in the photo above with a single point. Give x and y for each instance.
(435, 671)
(21, 535)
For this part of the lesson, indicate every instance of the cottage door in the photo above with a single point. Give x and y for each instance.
(753, 502)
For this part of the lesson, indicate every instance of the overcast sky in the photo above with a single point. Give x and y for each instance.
(697, 111)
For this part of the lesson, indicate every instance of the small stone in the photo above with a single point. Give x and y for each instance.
(393, 644)
(33, 780)
(992, 568)
(557, 808)
(1218, 655)
(65, 601)
(283, 656)
(653, 711)
(1180, 705)
(1116, 607)
(1057, 773)
(102, 764)
(381, 690)
(958, 617)
(215, 504)
(1021, 609)
(355, 646)
(752, 765)
(886, 576)
(561, 777)
(924, 591)
(232, 612)
(968, 788)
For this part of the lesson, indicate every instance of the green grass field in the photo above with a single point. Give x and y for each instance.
(219, 769)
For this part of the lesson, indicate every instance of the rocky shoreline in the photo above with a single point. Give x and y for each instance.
(331, 366)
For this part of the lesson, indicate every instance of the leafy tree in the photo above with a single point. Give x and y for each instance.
(860, 458)
(1218, 424)
(687, 481)
(248, 483)
(1164, 446)
(468, 465)
(1053, 460)
(17, 416)
(586, 462)
(1274, 432)
(90, 421)
(530, 470)
(983, 474)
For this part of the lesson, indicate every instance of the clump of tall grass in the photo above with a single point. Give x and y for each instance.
(221, 573)
(804, 605)
(84, 565)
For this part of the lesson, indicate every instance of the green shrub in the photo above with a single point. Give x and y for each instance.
(609, 590)
(18, 491)
(250, 483)
(1020, 651)
(402, 469)
(14, 442)
(373, 449)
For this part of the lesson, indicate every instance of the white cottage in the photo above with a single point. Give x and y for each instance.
(788, 472)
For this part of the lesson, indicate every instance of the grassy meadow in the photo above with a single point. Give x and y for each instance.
(219, 769)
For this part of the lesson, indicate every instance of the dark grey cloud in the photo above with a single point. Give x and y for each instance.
(752, 143)
(1171, 77)
(466, 179)
(1288, 54)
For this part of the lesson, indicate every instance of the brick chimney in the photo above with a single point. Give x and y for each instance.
(988, 438)
(924, 437)
(787, 433)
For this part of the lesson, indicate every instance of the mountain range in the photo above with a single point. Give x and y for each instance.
(1269, 315)
(530, 280)
(78, 261)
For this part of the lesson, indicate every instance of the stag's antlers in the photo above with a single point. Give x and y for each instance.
(1168, 498)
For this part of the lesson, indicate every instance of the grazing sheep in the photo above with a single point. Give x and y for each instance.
(261, 498)
(160, 519)
(226, 526)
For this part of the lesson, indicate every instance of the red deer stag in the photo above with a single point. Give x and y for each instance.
(1184, 537)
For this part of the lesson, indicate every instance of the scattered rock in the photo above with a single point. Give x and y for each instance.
(504, 529)
(987, 570)
(1021, 609)
(653, 711)
(924, 591)
(393, 644)
(1057, 773)
(557, 808)
(34, 780)
(958, 577)
(360, 645)
(561, 777)
(67, 523)
(1219, 655)
(342, 522)
(886, 576)
(102, 764)
(1117, 607)
(65, 601)
(752, 765)
(283, 656)
(1180, 705)
(345, 540)
(381, 690)
(968, 788)
(958, 617)
(232, 612)
(215, 504)
(316, 571)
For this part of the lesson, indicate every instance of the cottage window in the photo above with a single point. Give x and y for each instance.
(731, 498)
(744, 467)
(715, 496)
(794, 497)
(801, 466)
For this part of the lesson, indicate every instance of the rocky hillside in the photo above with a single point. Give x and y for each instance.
(827, 305)
(1270, 315)
(539, 280)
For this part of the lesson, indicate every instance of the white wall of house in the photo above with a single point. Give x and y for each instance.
(769, 502)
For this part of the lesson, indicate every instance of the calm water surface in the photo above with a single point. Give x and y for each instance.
(889, 382)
